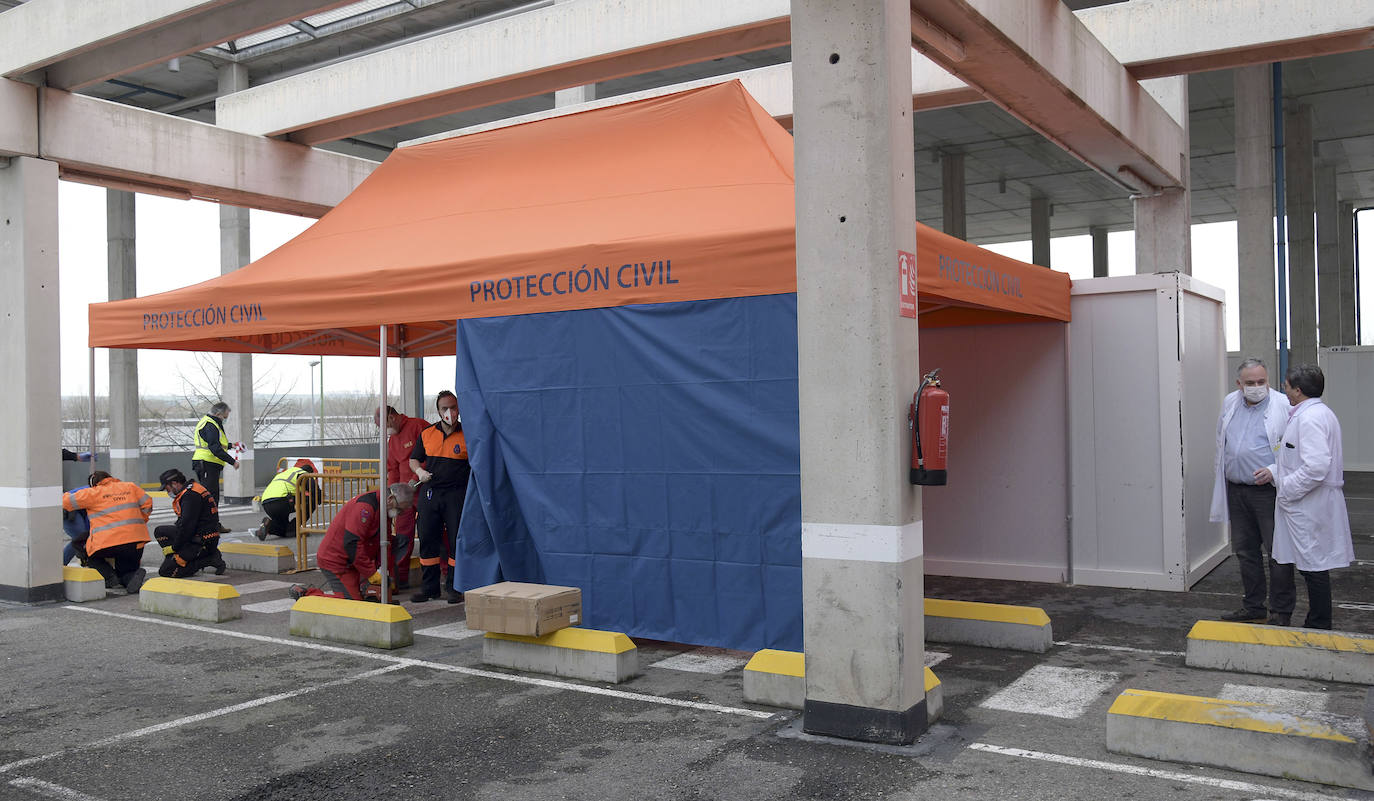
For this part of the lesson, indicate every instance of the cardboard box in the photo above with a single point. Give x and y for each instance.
(532, 610)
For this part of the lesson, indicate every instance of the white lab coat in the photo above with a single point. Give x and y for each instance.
(1275, 418)
(1311, 526)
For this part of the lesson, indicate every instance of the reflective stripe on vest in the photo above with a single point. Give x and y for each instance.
(284, 485)
(195, 486)
(122, 521)
(203, 448)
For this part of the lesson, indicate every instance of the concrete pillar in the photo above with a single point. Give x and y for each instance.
(575, 94)
(121, 266)
(1040, 231)
(1328, 257)
(30, 418)
(1350, 299)
(862, 564)
(236, 372)
(413, 387)
(954, 195)
(1164, 219)
(1254, 129)
(1099, 237)
(1299, 191)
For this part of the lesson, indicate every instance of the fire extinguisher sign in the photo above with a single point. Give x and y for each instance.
(906, 277)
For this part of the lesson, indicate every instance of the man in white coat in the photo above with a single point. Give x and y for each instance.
(1311, 527)
(1249, 431)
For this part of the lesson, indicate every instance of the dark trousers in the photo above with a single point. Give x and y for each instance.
(278, 511)
(1251, 507)
(208, 473)
(190, 558)
(437, 515)
(128, 556)
(1318, 598)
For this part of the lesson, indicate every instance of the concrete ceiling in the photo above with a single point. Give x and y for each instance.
(1006, 164)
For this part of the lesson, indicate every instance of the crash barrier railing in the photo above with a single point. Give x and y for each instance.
(336, 489)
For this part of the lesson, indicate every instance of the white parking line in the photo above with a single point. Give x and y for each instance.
(451, 631)
(1257, 790)
(698, 662)
(271, 607)
(265, 585)
(1119, 648)
(406, 662)
(50, 790)
(1058, 692)
(934, 658)
(214, 713)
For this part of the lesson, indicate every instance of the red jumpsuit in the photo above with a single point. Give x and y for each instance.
(350, 551)
(398, 450)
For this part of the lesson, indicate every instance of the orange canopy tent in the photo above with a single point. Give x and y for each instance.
(682, 197)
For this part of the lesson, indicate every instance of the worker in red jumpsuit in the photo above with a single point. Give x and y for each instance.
(402, 433)
(350, 551)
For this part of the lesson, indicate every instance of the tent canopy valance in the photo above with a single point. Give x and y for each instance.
(682, 197)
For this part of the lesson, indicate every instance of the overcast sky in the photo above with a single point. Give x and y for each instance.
(178, 245)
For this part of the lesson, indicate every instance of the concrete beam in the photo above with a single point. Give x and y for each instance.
(541, 51)
(1041, 64)
(1155, 38)
(145, 151)
(71, 44)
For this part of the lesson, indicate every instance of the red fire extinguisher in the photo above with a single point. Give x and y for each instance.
(928, 418)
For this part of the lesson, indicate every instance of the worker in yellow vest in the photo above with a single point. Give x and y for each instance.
(212, 451)
(279, 500)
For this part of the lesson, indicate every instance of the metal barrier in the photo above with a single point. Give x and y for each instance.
(335, 465)
(337, 488)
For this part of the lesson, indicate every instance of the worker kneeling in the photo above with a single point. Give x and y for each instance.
(192, 544)
(351, 549)
(118, 512)
(279, 500)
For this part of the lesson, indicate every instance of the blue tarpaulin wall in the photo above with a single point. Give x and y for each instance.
(646, 454)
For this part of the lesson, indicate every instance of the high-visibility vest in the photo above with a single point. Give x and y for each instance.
(118, 511)
(283, 485)
(203, 448)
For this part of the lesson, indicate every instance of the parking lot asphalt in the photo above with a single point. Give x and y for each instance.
(100, 702)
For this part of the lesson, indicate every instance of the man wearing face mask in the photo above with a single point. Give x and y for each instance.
(351, 549)
(1251, 426)
(402, 434)
(1312, 525)
(212, 451)
(440, 462)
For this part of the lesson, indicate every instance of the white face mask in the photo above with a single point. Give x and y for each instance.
(1255, 394)
(392, 511)
(391, 431)
(450, 416)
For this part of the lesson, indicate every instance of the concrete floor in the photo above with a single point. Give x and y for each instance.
(99, 701)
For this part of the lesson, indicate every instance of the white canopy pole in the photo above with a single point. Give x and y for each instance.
(384, 525)
(91, 431)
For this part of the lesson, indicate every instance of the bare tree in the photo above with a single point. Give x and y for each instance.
(169, 422)
(76, 417)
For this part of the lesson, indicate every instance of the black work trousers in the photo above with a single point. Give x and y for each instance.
(190, 558)
(278, 511)
(1251, 507)
(126, 562)
(1318, 598)
(208, 473)
(438, 511)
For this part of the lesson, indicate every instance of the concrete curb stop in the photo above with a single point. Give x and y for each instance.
(258, 557)
(1241, 736)
(1015, 628)
(1282, 651)
(82, 584)
(197, 600)
(778, 678)
(386, 626)
(575, 653)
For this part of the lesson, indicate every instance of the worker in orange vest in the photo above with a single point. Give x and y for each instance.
(119, 512)
(192, 544)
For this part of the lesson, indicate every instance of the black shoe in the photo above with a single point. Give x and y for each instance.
(135, 582)
(219, 566)
(1278, 620)
(297, 591)
(261, 533)
(223, 529)
(454, 597)
(421, 597)
(1245, 616)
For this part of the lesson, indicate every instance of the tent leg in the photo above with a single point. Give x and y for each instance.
(91, 431)
(385, 522)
